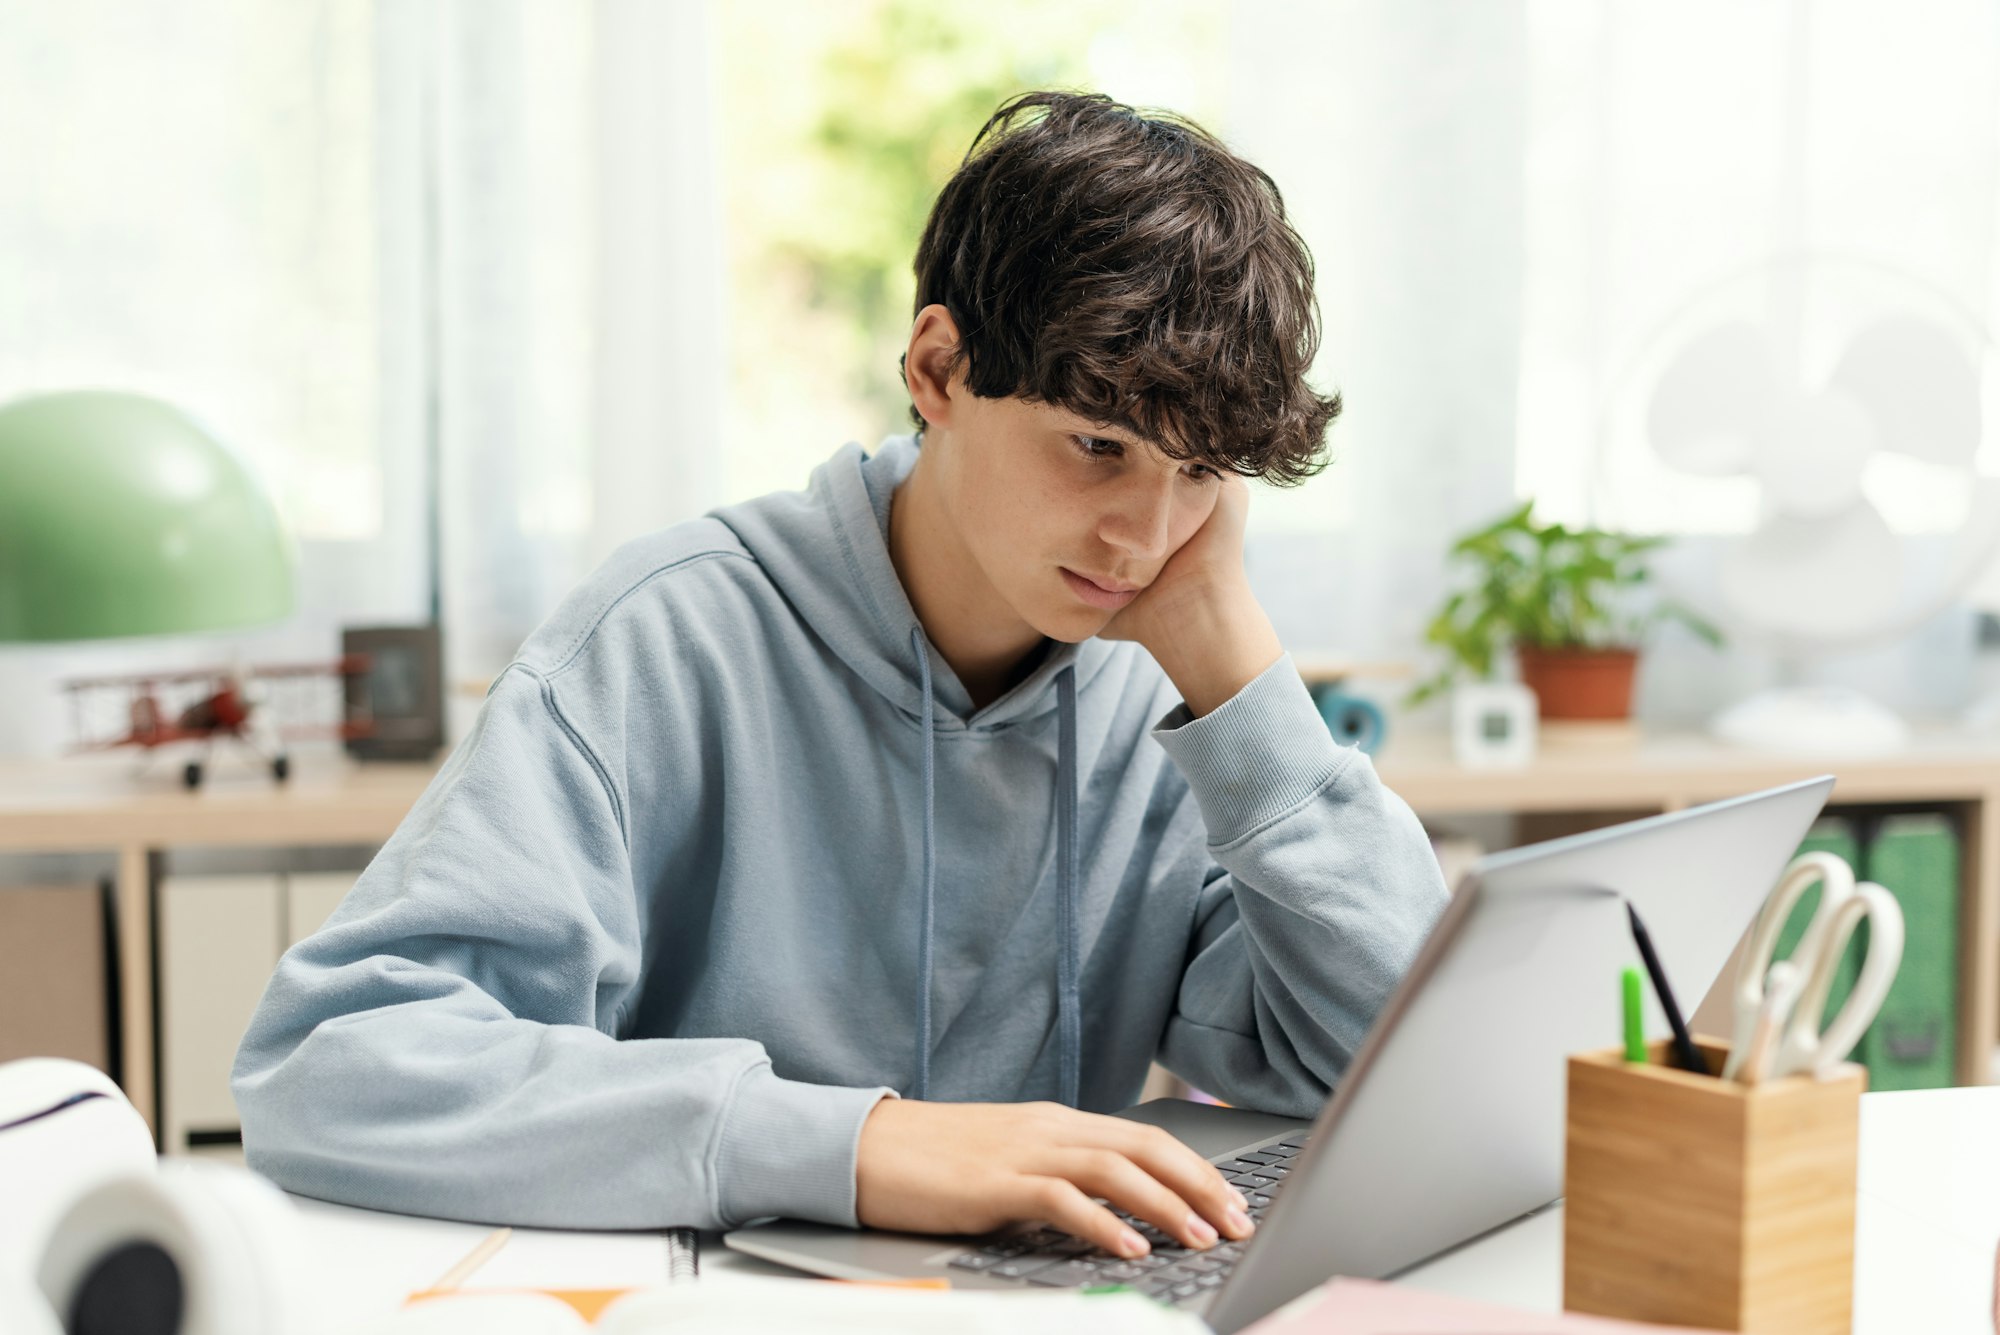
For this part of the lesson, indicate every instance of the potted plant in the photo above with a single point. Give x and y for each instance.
(1562, 599)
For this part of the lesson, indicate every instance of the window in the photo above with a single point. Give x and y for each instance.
(189, 209)
(840, 123)
(1671, 148)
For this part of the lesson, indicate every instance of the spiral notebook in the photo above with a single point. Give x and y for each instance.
(683, 1255)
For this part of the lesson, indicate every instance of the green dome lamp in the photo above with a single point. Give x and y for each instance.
(120, 515)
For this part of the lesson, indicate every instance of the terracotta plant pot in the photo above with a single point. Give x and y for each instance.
(1579, 683)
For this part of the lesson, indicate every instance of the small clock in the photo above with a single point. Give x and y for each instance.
(1493, 725)
(401, 694)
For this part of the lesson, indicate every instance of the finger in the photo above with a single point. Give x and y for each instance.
(1235, 498)
(1061, 1204)
(1127, 1186)
(1189, 1176)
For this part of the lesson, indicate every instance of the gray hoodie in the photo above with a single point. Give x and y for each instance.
(729, 856)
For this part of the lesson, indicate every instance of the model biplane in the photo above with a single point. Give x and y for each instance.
(260, 708)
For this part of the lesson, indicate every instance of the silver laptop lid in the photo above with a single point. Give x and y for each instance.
(1449, 1122)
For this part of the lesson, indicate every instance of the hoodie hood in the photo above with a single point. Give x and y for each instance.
(827, 551)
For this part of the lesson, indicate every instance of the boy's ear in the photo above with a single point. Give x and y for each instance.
(927, 364)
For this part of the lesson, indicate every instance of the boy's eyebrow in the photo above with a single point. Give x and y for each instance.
(1118, 434)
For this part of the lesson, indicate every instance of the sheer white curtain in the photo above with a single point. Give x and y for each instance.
(575, 226)
(1395, 132)
(358, 237)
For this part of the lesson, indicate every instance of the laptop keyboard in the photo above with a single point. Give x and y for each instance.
(1170, 1273)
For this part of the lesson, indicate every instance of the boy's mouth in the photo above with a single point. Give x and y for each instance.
(1108, 596)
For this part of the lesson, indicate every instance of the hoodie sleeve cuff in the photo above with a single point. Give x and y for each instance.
(788, 1148)
(1257, 756)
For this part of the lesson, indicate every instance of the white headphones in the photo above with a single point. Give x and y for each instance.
(102, 1238)
(99, 1236)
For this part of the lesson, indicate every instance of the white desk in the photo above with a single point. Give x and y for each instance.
(1926, 1224)
(1929, 1217)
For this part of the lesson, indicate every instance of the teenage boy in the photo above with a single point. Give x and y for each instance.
(848, 854)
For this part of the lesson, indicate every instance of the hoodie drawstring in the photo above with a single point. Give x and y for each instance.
(930, 866)
(1069, 1024)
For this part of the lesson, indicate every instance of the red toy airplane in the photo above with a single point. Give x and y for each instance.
(260, 708)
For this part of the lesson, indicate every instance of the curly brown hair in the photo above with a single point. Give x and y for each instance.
(1129, 268)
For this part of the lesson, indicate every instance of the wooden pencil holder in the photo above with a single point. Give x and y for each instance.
(1697, 1201)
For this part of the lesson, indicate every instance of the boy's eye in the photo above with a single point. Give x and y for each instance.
(1098, 447)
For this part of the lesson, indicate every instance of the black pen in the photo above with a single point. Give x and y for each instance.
(1686, 1056)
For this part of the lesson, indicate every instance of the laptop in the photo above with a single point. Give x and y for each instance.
(1449, 1122)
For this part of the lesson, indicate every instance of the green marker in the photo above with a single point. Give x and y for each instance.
(1635, 1024)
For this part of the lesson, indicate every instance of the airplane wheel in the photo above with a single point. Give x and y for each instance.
(281, 768)
(191, 774)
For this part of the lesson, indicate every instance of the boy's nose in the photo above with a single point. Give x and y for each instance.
(1139, 526)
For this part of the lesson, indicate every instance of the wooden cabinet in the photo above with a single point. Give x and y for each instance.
(96, 804)
(220, 937)
(54, 963)
(218, 943)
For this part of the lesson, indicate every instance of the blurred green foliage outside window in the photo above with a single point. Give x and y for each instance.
(839, 124)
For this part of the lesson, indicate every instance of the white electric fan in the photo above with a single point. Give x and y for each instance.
(1808, 401)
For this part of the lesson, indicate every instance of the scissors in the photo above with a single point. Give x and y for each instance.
(1801, 1046)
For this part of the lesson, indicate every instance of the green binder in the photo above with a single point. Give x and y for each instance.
(1913, 1043)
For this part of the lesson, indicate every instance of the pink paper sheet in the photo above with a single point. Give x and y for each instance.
(1365, 1307)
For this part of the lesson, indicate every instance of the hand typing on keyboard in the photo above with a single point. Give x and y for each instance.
(974, 1167)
